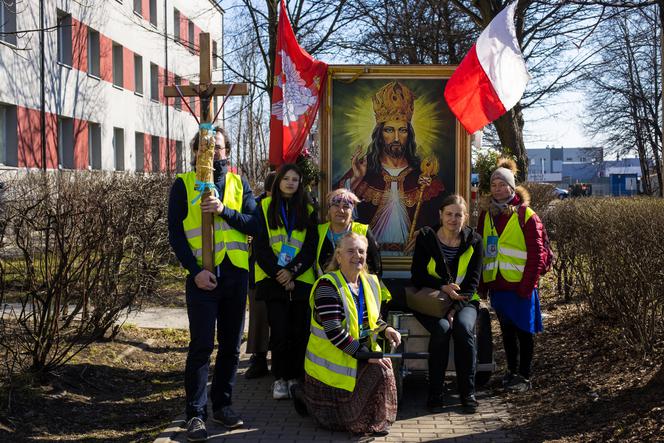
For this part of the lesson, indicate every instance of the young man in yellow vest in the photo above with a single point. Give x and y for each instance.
(217, 297)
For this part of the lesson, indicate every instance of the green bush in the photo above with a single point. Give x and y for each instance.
(610, 256)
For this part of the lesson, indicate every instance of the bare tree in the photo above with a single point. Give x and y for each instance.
(624, 92)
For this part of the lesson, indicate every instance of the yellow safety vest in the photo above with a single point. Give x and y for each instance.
(358, 228)
(462, 269)
(227, 241)
(278, 237)
(324, 361)
(511, 250)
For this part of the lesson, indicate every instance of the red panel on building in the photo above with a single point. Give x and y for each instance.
(184, 29)
(128, 69)
(171, 149)
(145, 6)
(81, 147)
(79, 35)
(106, 58)
(162, 154)
(29, 138)
(197, 39)
(147, 153)
(161, 77)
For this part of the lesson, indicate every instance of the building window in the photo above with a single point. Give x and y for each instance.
(64, 38)
(154, 147)
(138, 7)
(178, 101)
(139, 148)
(66, 143)
(191, 36)
(214, 55)
(154, 82)
(93, 52)
(94, 145)
(153, 12)
(8, 21)
(138, 73)
(179, 160)
(8, 136)
(118, 65)
(176, 25)
(118, 148)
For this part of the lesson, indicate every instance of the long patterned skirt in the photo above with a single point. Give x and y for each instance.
(371, 407)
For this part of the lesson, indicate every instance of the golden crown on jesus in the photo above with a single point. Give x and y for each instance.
(394, 101)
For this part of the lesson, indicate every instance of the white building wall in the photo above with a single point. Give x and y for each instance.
(75, 94)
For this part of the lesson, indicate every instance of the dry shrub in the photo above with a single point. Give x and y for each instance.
(80, 250)
(541, 195)
(611, 256)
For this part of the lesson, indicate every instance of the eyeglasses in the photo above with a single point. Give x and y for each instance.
(343, 206)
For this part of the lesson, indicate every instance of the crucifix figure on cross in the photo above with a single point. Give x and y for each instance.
(205, 91)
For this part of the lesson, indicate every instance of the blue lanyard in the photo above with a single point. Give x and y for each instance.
(289, 224)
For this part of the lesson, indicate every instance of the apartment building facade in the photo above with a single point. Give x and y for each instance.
(105, 65)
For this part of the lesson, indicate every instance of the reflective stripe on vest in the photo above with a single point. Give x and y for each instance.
(227, 241)
(358, 228)
(278, 237)
(324, 361)
(512, 253)
(462, 268)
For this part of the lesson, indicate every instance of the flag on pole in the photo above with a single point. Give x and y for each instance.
(491, 78)
(299, 81)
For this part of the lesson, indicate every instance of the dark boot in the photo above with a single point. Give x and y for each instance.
(257, 366)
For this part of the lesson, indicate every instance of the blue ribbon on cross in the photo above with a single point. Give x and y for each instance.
(203, 187)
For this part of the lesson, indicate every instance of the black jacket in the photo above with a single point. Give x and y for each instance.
(427, 246)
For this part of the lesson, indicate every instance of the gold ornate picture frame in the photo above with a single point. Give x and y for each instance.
(409, 151)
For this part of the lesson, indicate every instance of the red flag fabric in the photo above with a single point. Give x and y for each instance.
(299, 81)
(491, 78)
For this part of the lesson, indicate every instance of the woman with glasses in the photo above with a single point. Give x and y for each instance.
(340, 206)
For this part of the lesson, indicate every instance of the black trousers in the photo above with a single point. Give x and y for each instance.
(519, 347)
(289, 333)
(465, 350)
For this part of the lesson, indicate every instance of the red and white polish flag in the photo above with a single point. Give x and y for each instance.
(491, 78)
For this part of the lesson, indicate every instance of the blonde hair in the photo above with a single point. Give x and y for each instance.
(333, 264)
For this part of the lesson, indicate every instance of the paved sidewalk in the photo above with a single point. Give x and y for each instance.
(268, 420)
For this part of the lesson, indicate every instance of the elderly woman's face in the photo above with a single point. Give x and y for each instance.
(351, 255)
(341, 212)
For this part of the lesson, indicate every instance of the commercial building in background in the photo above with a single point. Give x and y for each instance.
(105, 65)
(568, 167)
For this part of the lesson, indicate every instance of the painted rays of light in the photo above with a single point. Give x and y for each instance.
(360, 122)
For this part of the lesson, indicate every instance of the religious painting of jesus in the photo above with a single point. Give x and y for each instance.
(394, 142)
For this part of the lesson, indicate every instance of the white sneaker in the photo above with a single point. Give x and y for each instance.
(280, 389)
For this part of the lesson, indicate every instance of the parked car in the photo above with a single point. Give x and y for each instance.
(561, 193)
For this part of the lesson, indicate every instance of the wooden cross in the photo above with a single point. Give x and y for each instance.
(206, 90)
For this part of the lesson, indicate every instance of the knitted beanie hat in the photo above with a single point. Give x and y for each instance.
(505, 175)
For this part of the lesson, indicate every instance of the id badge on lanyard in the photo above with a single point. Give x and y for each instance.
(492, 242)
(287, 252)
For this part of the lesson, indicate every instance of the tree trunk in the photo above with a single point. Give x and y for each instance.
(660, 168)
(272, 21)
(510, 131)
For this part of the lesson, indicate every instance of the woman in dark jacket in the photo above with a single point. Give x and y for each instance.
(285, 249)
(449, 257)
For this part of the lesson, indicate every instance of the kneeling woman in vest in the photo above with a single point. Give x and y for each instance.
(449, 257)
(340, 391)
(285, 248)
(513, 260)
